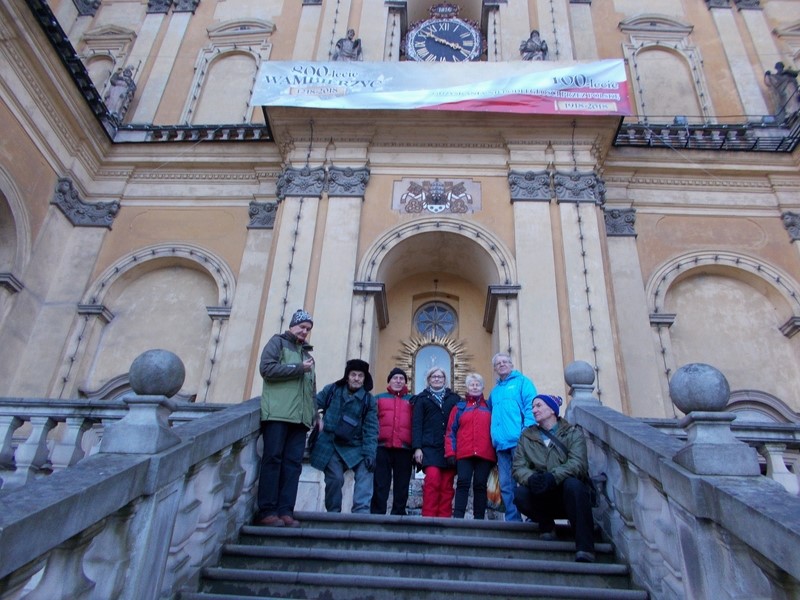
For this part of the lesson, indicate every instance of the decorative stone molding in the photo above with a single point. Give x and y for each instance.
(80, 213)
(10, 283)
(791, 221)
(301, 182)
(718, 3)
(579, 187)
(86, 8)
(620, 222)
(791, 327)
(493, 296)
(347, 182)
(381, 305)
(186, 6)
(219, 313)
(158, 6)
(262, 215)
(530, 186)
(662, 319)
(748, 4)
(98, 310)
(580, 1)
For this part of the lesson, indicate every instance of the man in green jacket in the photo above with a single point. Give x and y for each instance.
(551, 468)
(287, 413)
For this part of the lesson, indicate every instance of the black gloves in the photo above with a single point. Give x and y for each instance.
(369, 462)
(451, 461)
(539, 483)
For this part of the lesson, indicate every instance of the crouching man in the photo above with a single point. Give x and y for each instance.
(551, 468)
(348, 437)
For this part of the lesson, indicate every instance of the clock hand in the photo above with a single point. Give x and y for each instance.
(442, 41)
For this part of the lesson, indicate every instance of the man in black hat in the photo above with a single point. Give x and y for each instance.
(348, 439)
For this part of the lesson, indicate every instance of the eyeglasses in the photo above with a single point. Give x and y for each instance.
(436, 377)
(502, 362)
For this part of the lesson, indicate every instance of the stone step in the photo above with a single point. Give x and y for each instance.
(376, 557)
(427, 565)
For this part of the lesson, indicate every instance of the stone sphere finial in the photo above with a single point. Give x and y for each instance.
(699, 387)
(157, 373)
(579, 372)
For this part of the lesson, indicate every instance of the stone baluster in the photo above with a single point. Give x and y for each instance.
(109, 557)
(580, 377)
(68, 450)
(32, 454)
(233, 478)
(8, 425)
(776, 468)
(63, 577)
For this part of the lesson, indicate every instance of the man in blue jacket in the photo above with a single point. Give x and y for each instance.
(510, 402)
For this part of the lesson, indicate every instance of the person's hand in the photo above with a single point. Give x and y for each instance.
(369, 462)
(451, 461)
(540, 483)
(418, 456)
(308, 364)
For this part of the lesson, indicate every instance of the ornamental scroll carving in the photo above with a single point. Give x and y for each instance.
(530, 186)
(718, 3)
(791, 221)
(186, 6)
(86, 8)
(301, 182)
(620, 222)
(80, 213)
(262, 215)
(436, 196)
(158, 6)
(579, 187)
(347, 182)
(341, 182)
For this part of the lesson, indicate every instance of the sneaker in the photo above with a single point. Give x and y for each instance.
(271, 521)
(289, 521)
(584, 557)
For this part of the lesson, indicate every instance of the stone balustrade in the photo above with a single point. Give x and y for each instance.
(39, 436)
(694, 517)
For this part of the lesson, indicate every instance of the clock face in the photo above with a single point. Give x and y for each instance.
(443, 40)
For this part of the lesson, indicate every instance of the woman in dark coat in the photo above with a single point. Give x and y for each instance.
(432, 408)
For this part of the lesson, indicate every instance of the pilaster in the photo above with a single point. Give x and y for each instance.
(639, 359)
(747, 85)
(554, 27)
(150, 97)
(582, 28)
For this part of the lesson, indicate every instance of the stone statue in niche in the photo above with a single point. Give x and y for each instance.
(120, 93)
(783, 85)
(348, 49)
(534, 48)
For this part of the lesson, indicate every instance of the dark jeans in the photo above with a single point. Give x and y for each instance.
(392, 468)
(476, 471)
(570, 499)
(281, 463)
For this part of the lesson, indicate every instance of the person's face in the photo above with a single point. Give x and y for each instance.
(541, 411)
(436, 380)
(397, 382)
(355, 380)
(474, 387)
(301, 330)
(503, 366)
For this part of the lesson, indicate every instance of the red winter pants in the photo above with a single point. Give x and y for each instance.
(437, 492)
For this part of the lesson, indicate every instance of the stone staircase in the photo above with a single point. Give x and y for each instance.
(371, 557)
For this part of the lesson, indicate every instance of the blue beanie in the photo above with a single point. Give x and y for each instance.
(554, 402)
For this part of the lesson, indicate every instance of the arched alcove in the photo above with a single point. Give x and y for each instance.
(727, 310)
(439, 260)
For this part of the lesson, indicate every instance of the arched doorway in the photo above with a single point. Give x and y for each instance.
(440, 277)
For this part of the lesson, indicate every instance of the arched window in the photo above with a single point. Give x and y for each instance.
(428, 357)
(435, 319)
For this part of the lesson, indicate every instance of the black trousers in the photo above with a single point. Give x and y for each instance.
(570, 499)
(392, 471)
(281, 464)
(476, 471)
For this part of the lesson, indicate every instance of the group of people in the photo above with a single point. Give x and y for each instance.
(541, 459)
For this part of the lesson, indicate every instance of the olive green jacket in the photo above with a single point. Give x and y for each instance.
(288, 391)
(533, 456)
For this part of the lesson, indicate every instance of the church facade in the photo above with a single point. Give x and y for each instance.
(147, 202)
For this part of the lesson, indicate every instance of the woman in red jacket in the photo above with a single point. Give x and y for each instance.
(393, 463)
(468, 444)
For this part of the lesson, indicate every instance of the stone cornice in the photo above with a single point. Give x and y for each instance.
(185, 175)
(688, 182)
